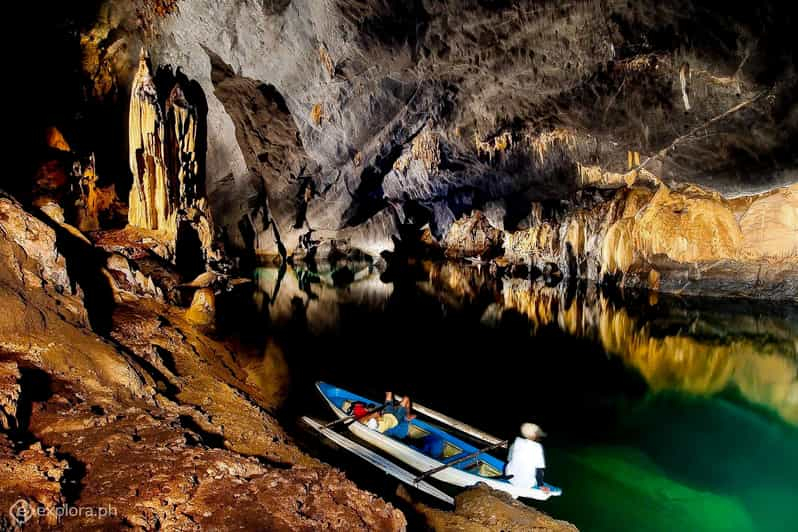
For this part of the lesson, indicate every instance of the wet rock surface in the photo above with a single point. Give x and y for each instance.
(153, 426)
(482, 508)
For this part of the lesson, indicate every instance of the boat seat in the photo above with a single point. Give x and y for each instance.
(481, 468)
(416, 433)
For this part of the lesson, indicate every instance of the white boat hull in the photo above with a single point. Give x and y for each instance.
(422, 462)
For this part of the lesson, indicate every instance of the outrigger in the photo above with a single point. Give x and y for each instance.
(453, 461)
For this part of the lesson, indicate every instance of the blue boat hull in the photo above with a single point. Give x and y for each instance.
(428, 446)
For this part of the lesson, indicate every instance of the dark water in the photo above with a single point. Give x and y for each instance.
(663, 413)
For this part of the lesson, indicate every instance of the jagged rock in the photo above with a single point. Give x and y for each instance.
(677, 239)
(132, 242)
(481, 508)
(9, 393)
(129, 283)
(472, 236)
(30, 259)
(33, 476)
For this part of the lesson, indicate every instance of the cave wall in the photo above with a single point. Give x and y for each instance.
(351, 118)
(519, 96)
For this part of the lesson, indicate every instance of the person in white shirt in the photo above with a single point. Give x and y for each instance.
(525, 461)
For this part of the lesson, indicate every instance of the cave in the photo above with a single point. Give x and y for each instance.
(220, 217)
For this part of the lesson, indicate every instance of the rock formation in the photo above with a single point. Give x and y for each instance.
(686, 239)
(202, 311)
(167, 195)
(152, 203)
(155, 423)
(480, 508)
(328, 128)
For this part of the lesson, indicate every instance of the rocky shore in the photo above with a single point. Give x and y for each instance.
(134, 417)
(151, 419)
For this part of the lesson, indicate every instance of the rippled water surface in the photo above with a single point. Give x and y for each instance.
(663, 413)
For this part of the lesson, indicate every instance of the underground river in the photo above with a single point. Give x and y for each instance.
(662, 413)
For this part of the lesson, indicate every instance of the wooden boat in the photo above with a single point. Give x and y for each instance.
(415, 450)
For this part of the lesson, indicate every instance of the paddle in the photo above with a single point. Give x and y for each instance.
(353, 416)
(434, 470)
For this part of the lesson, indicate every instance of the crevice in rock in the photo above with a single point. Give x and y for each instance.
(206, 438)
(72, 481)
(36, 386)
(83, 263)
(167, 359)
(368, 198)
(164, 384)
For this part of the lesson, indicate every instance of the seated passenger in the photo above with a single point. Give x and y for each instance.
(393, 420)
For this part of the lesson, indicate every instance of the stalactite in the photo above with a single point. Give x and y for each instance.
(684, 76)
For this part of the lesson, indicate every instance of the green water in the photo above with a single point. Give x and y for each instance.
(663, 414)
(683, 463)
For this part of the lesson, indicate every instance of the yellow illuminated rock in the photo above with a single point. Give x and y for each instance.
(203, 308)
(770, 225)
(639, 230)
(687, 226)
(56, 140)
(167, 195)
(151, 203)
(471, 236)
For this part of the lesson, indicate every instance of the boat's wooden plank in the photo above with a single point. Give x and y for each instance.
(379, 461)
(450, 421)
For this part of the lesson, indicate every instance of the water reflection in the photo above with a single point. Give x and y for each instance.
(676, 346)
(666, 410)
(698, 347)
(312, 298)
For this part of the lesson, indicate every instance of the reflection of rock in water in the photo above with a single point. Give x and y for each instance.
(311, 298)
(269, 373)
(674, 346)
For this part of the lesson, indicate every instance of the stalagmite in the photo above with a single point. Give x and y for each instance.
(183, 122)
(151, 197)
(203, 307)
(167, 195)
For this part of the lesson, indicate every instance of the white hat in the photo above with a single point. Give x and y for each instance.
(531, 431)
